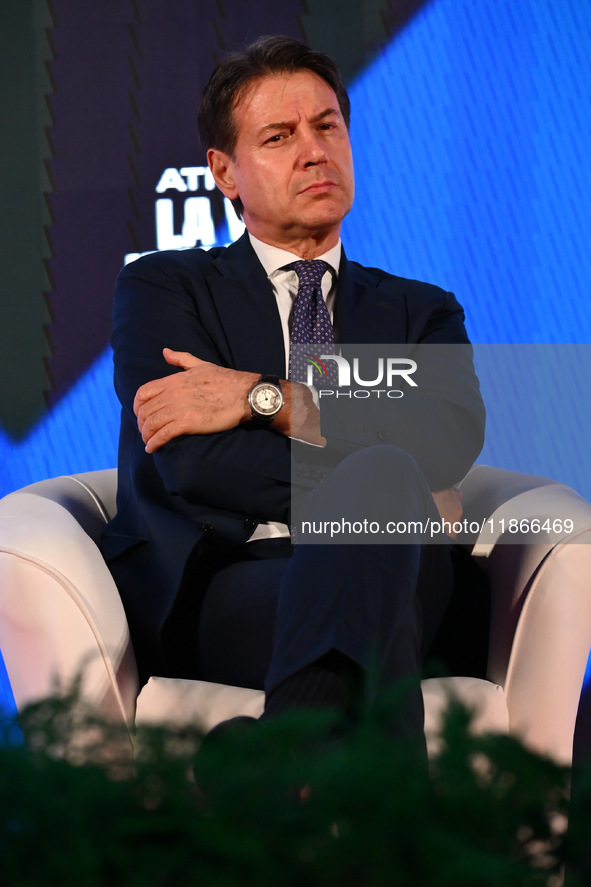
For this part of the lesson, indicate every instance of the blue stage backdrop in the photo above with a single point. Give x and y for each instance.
(471, 125)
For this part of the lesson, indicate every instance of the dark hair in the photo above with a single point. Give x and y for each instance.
(231, 77)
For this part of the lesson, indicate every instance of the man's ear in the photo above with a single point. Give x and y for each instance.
(222, 169)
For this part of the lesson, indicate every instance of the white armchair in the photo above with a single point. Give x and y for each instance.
(60, 612)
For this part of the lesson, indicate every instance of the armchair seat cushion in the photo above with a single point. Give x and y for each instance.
(485, 700)
(178, 703)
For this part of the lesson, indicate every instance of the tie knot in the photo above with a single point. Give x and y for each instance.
(310, 271)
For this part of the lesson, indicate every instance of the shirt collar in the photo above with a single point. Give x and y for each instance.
(272, 258)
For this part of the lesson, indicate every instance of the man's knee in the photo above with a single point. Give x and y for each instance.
(379, 484)
(384, 460)
(384, 471)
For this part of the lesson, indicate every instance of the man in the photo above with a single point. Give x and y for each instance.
(200, 547)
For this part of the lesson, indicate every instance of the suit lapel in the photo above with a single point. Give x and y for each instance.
(365, 313)
(247, 309)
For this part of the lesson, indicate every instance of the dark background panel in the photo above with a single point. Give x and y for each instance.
(91, 177)
(25, 150)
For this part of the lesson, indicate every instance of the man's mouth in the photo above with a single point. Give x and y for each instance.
(319, 187)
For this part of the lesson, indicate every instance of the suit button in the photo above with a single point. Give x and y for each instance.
(383, 435)
(302, 471)
(207, 529)
(250, 523)
(320, 475)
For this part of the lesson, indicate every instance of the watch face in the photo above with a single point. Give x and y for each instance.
(266, 399)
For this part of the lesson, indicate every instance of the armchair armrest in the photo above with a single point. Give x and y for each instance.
(59, 608)
(541, 599)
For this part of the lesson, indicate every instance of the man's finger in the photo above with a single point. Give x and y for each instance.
(182, 359)
(148, 391)
(160, 437)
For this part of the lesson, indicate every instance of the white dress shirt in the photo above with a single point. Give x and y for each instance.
(285, 286)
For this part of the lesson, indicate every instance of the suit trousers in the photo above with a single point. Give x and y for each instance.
(378, 597)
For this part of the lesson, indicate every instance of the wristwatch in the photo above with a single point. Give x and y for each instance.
(265, 399)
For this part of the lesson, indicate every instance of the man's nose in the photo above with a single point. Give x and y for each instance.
(312, 151)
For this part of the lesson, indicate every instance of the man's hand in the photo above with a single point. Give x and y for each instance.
(449, 506)
(203, 399)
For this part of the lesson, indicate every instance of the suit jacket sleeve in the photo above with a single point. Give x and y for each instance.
(165, 301)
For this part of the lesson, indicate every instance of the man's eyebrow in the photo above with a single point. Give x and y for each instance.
(286, 124)
(326, 113)
(281, 124)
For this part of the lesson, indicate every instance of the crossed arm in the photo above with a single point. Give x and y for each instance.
(206, 398)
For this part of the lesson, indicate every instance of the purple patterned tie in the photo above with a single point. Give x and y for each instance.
(311, 328)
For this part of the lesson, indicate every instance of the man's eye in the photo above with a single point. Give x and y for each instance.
(278, 137)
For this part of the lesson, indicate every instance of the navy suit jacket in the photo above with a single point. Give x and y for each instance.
(219, 306)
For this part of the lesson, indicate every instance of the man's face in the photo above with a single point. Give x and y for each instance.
(292, 166)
